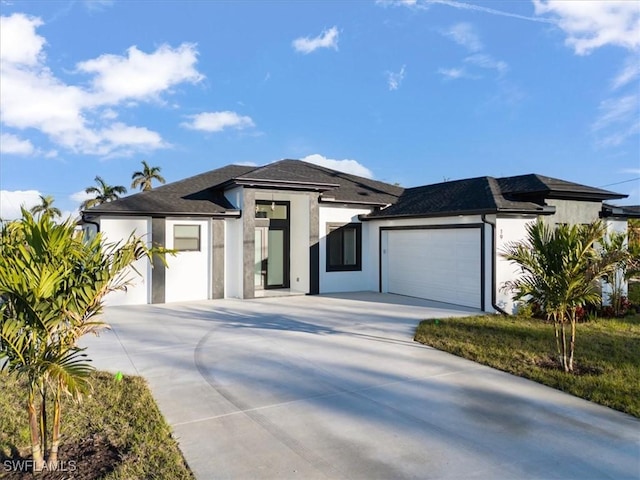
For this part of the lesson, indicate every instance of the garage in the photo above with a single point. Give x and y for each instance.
(440, 264)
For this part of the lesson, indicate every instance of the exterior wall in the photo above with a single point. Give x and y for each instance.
(615, 225)
(299, 226)
(234, 195)
(188, 273)
(508, 230)
(233, 258)
(118, 229)
(573, 211)
(331, 282)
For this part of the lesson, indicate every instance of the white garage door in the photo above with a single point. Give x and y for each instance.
(436, 264)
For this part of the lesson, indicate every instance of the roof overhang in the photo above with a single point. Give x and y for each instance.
(280, 184)
(109, 213)
(612, 211)
(544, 210)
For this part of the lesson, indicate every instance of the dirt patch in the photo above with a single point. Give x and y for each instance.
(550, 363)
(89, 459)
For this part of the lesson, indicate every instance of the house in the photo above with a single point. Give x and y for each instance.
(243, 230)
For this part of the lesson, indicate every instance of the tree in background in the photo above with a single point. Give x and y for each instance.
(103, 193)
(52, 284)
(45, 207)
(559, 272)
(144, 178)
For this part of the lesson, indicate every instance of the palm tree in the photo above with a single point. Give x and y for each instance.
(102, 193)
(144, 178)
(52, 283)
(46, 207)
(559, 269)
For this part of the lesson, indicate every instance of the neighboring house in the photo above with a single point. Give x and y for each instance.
(293, 225)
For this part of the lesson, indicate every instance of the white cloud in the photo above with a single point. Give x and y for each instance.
(629, 73)
(394, 79)
(78, 118)
(483, 60)
(454, 73)
(347, 166)
(11, 201)
(141, 76)
(327, 39)
(592, 24)
(218, 121)
(20, 43)
(464, 34)
(80, 196)
(11, 144)
(616, 110)
(619, 120)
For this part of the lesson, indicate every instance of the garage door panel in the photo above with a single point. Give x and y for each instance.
(436, 264)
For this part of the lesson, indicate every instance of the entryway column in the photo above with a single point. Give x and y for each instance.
(314, 244)
(248, 242)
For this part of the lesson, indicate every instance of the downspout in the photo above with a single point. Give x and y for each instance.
(84, 220)
(493, 264)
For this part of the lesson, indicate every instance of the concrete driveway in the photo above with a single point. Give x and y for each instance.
(334, 387)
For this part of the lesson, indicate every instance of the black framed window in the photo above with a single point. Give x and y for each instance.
(186, 238)
(344, 247)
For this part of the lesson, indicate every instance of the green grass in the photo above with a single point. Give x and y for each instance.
(124, 413)
(607, 353)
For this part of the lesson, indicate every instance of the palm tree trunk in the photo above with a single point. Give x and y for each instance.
(36, 450)
(55, 436)
(573, 339)
(556, 331)
(43, 418)
(565, 366)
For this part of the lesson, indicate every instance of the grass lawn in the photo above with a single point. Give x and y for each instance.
(116, 433)
(607, 353)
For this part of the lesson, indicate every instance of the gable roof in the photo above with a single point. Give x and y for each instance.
(204, 194)
(520, 194)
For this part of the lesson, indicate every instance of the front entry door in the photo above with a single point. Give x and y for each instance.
(270, 257)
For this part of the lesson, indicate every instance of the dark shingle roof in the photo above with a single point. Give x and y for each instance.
(523, 193)
(204, 194)
(532, 185)
(481, 194)
(621, 211)
(343, 187)
(194, 195)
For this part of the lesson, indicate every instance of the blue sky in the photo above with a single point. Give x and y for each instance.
(412, 91)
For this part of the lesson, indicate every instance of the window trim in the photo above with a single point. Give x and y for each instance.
(199, 237)
(339, 228)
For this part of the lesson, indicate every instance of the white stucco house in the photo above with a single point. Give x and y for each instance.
(243, 230)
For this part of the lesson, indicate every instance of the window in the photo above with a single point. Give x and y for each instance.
(186, 238)
(272, 210)
(344, 252)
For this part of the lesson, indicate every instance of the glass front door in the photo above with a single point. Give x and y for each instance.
(271, 268)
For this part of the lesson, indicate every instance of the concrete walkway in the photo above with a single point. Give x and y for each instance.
(334, 387)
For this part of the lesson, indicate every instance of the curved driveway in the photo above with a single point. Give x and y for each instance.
(334, 387)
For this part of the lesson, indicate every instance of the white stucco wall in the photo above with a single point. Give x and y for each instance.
(331, 282)
(188, 274)
(614, 225)
(508, 230)
(233, 265)
(118, 229)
